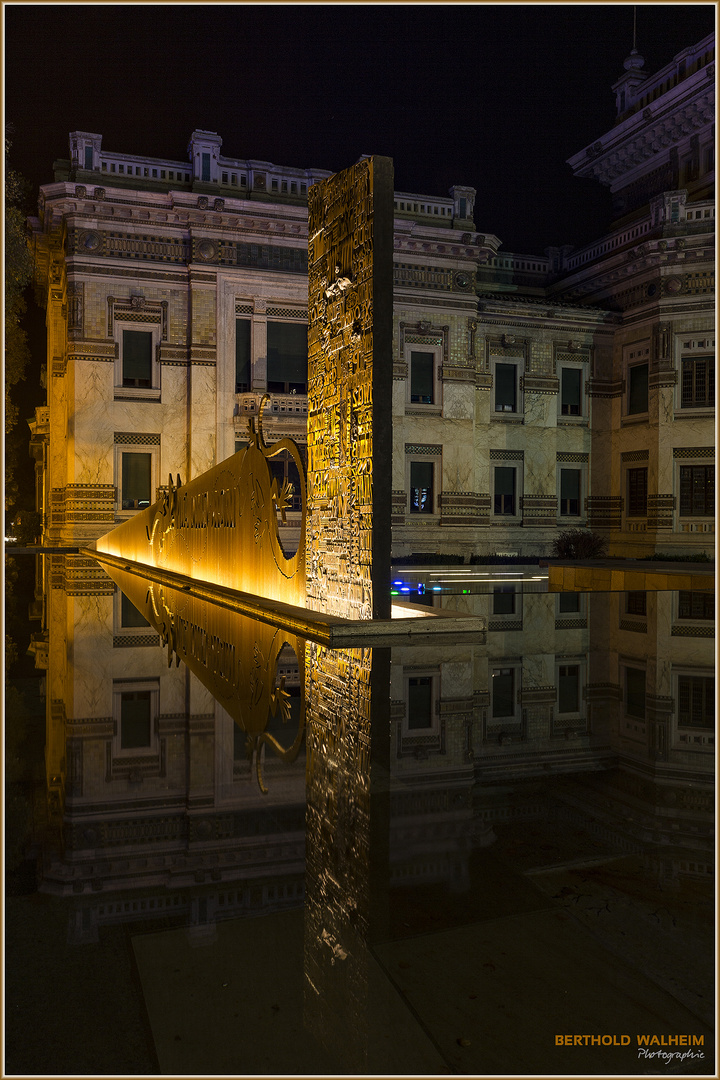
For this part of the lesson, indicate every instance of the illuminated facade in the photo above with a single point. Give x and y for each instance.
(530, 393)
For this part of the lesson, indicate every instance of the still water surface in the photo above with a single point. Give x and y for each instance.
(257, 855)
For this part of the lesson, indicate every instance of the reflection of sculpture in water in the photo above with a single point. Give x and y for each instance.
(236, 658)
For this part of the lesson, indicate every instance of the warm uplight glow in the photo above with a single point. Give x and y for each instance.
(222, 527)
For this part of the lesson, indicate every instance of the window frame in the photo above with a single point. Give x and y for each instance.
(583, 407)
(494, 724)
(626, 668)
(120, 631)
(435, 460)
(127, 686)
(693, 407)
(631, 507)
(436, 350)
(517, 466)
(432, 673)
(576, 467)
(153, 449)
(518, 364)
(706, 514)
(633, 367)
(141, 393)
(581, 665)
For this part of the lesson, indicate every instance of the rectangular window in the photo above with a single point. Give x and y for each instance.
(287, 358)
(696, 701)
(137, 358)
(242, 356)
(505, 388)
(88, 157)
(205, 167)
(638, 388)
(698, 382)
(570, 392)
(503, 692)
(504, 600)
(637, 492)
(422, 377)
(636, 603)
(569, 492)
(504, 490)
(568, 602)
(421, 487)
(420, 702)
(696, 605)
(135, 719)
(129, 614)
(697, 490)
(136, 474)
(568, 688)
(635, 692)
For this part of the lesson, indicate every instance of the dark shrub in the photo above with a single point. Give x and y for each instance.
(579, 544)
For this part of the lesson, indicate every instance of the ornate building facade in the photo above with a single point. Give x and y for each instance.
(531, 394)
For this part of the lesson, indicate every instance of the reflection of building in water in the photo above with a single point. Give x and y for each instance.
(531, 393)
(149, 780)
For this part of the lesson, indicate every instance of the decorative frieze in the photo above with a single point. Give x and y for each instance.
(507, 455)
(422, 449)
(285, 260)
(537, 384)
(694, 452)
(604, 511)
(137, 438)
(567, 456)
(634, 455)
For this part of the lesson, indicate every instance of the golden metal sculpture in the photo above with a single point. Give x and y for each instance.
(236, 658)
(222, 527)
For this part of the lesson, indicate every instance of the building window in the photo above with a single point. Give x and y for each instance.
(503, 692)
(88, 157)
(638, 388)
(205, 168)
(129, 614)
(570, 391)
(420, 702)
(698, 382)
(422, 378)
(637, 492)
(506, 398)
(284, 470)
(696, 701)
(505, 490)
(569, 492)
(242, 356)
(137, 349)
(696, 605)
(697, 490)
(568, 603)
(568, 688)
(635, 692)
(421, 487)
(636, 603)
(504, 600)
(136, 480)
(287, 358)
(135, 711)
(224, 178)
(135, 719)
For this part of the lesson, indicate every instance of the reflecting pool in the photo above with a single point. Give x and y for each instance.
(251, 854)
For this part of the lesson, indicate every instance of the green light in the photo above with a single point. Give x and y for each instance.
(394, 592)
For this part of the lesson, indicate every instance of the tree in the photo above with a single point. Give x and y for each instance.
(18, 275)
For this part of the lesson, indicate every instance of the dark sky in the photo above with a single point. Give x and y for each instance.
(497, 96)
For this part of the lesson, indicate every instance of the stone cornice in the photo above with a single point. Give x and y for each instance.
(647, 134)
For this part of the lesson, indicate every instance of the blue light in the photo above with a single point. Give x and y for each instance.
(437, 588)
(397, 582)
(404, 589)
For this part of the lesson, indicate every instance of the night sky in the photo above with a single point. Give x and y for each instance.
(494, 96)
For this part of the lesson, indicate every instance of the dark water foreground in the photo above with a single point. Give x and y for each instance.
(471, 850)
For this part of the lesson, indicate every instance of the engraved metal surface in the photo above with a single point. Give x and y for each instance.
(222, 527)
(349, 391)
